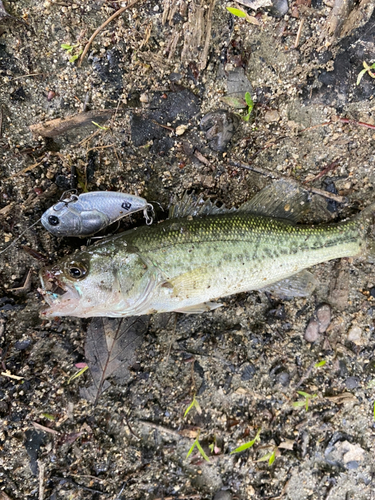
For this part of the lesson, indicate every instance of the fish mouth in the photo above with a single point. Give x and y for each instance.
(61, 298)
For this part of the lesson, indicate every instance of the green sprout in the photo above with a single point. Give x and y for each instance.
(70, 48)
(366, 70)
(320, 363)
(200, 449)
(248, 445)
(48, 416)
(271, 456)
(78, 374)
(193, 404)
(250, 106)
(304, 402)
(244, 15)
(99, 126)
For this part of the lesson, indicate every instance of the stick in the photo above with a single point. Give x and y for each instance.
(59, 126)
(42, 466)
(299, 33)
(354, 122)
(111, 18)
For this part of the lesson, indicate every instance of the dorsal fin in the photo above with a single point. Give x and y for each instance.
(194, 206)
(283, 199)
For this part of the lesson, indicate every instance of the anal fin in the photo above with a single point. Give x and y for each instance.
(301, 284)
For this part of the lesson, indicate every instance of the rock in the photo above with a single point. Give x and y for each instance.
(352, 382)
(355, 335)
(279, 8)
(272, 116)
(180, 130)
(323, 314)
(343, 453)
(247, 371)
(220, 127)
(312, 331)
(283, 378)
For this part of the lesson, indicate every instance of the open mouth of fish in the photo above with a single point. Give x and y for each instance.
(59, 296)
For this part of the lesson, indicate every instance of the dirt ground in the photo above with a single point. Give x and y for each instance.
(160, 67)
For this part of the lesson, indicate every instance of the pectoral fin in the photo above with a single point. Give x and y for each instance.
(199, 308)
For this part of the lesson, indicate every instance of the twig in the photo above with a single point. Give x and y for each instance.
(111, 18)
(163, 126)
(332, 166)
(160, 428)
(42, 467)
(299, 33)
(258, 170)
(201, 158)
(355, 122)
(44, 428)
(324, 124)
(58, 126)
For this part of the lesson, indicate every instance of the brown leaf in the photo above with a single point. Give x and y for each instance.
(110, 347)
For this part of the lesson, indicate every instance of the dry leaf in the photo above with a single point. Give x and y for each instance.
(287, 444)
(109, 350)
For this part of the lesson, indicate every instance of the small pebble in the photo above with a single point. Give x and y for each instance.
(352, 382)
(180, 130)
(323, 314)
(312, 331)
(355, 335)
(272, 116)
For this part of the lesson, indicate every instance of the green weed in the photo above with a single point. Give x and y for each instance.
(304, 402)
(248, 445)
(366, 70)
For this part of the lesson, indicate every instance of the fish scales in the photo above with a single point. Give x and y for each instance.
(180, 264)
(249, 252)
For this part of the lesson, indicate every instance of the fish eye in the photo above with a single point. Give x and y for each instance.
(77, 270)
(53, 220)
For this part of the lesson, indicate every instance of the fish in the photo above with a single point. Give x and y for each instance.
(200, 254)
(89, 213)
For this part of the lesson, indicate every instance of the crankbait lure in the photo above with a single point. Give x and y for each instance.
(88, 213)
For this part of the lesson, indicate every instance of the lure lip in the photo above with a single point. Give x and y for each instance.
(60, 297)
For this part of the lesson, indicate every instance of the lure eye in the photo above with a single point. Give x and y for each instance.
(126, 205)
(53, 220)
(77, 271)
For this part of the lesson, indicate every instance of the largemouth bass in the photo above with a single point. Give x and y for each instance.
(183, 264)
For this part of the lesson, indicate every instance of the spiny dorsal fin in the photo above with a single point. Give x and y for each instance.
(195, 206)
(283, 199)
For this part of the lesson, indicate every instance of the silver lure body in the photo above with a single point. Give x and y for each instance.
(89, 213)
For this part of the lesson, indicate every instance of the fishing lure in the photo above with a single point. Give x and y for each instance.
(88, 213)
